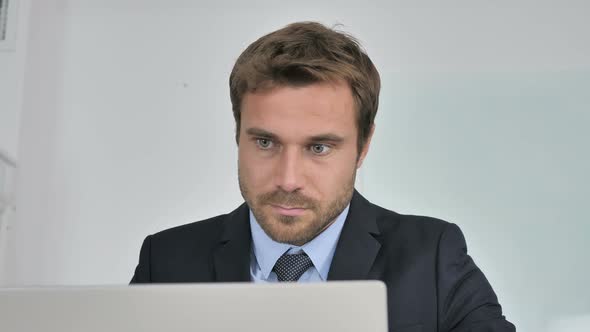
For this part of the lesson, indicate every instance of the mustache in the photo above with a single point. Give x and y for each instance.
(280, 197)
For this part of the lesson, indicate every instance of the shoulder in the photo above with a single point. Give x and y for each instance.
(189, 239)
(202, 234)
(389, 220)
(415, 231)
(205, 229)
(400, 229)
(416, 238)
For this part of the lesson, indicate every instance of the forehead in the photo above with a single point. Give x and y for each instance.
(307, 110)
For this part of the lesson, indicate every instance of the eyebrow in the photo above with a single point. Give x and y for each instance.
(331, 138)
(260, 133)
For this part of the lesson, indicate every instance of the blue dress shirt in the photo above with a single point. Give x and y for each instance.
(266, 252)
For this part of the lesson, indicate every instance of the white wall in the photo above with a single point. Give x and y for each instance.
(12, 61)
(12, 67)
(127, 129)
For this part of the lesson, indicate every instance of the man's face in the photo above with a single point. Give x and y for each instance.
(298, 158)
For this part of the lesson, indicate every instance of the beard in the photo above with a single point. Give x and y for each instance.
(295, 230)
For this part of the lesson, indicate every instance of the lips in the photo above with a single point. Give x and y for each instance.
(288, 210)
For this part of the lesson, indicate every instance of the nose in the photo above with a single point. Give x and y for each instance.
(289, 170)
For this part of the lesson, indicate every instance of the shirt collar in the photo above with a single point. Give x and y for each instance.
(320, 250)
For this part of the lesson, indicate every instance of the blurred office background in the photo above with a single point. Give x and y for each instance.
(115, 122)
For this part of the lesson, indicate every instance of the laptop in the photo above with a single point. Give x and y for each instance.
(344, 306)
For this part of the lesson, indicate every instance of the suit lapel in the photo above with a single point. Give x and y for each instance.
(357, 247)
(231, 260)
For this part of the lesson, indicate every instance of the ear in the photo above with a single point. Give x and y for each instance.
(365, 150)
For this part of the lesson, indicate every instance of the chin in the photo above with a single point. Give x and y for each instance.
(291, 239)
(285, 232)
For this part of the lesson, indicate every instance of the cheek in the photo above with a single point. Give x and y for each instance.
(331, 179)
(253, 171)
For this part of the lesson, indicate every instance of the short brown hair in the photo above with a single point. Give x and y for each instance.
(304, 53)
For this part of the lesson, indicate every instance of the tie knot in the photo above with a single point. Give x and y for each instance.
(292, 267)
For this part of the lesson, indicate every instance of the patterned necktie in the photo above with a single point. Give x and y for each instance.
(292, 267)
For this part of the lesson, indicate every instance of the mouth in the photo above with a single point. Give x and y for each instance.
(288, 210)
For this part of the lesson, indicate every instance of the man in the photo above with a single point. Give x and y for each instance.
(304, 100)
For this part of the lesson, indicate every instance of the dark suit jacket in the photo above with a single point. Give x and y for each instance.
(432, 284)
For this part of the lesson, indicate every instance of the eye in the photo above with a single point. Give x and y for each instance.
(264, 143)
(320, 149)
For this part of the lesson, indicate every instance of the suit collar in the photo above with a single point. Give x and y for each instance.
(231, 260)
(357, 247)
